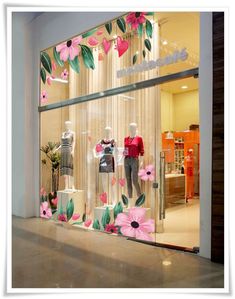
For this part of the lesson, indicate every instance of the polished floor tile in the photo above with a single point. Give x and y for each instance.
(50, 255)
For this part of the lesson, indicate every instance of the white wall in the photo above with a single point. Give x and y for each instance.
(205, 106)
(28, 39)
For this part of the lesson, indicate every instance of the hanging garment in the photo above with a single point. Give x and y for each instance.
(66, 164)
(107, 160)
(133, 146)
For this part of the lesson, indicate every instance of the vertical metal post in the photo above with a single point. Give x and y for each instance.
(162, 186)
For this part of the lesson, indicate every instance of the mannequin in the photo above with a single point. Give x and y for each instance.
(106, 150)
(134, 151)
(67, 153)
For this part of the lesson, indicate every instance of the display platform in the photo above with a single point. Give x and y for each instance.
(78, 197)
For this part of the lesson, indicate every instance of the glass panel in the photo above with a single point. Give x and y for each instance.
(115, 161)
(181, 144)
(160, 43)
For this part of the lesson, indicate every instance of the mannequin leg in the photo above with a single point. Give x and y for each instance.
(66, 182)
(128, 176)
(135, 170)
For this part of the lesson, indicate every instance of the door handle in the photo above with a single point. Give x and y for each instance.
(162, 213)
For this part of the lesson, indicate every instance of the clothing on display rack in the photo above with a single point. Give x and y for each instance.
(66, 166)
(107, 159)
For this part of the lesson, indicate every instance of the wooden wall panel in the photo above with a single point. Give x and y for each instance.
(217, 224)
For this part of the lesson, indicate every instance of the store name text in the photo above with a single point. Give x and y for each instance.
(152, 64)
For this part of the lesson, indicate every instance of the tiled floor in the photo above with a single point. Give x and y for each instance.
(181, 226)
(49, 255)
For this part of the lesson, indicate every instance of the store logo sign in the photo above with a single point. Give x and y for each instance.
(152, 64)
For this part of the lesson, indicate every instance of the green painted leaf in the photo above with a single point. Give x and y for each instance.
(84, 217)
(150, 14)
(149, 28)
(96, 224)
(46, 61)
(140, 30)
(69, 209)
(147, 44)
(109, 27)
(117, 209)
(60, 210)
(124, 200)
(87, 57)
(144, 53)
(78, 223)
(57, 57)
(140, 200)
(105, 217)
(134, 59)
(89, 33)
(75, 64)
(43, 75)
(121, 24)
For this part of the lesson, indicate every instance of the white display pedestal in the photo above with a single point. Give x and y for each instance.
(78, 197)
(98, 213)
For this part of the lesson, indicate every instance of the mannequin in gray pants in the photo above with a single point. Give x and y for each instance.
(134, 148)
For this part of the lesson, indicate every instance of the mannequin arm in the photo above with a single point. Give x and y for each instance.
(73, 144)
(141, 160)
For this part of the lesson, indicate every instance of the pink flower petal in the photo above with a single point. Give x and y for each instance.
(75, 216)
(48, 80)
(128, 231)
(49, 213)
(122, 220)
(151, 177)
(76, 41)
(149, 168)
(137, 214)
(44, 205)
(147, 226)
(53, 64)
(99, 32)
(122, 182)
(141, 235)
(61, 46)
(73, 52)
(42, 190)
(64, 54)
(145, 177)
(88, 222)
(141, 172)
(113, 182)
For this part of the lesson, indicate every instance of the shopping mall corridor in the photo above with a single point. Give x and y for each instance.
(49, 255)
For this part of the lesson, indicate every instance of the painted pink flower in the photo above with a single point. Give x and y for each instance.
(55, 201)
(48, 80)
(45, 211)
(113, 181)
(134, 224)
(53, 64)
(92, 41)
(111, 228)
(43, 192)
(69, 49)
(44, 97)
(98, 148)
(135, 18)
(122, 182)
(100, 57)
(103, 197)
(88, 222)
(99, 32)
(64, 75)
(75, 216)
(147, 173)
(62, 217)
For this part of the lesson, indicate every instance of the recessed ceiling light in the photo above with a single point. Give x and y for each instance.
(165, 42)
(184, 87)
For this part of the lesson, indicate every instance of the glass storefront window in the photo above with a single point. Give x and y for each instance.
(135, 47)
(102, 160)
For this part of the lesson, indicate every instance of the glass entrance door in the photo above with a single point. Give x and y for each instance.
(179, 174)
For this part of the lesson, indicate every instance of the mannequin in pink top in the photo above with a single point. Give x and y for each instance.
(134, 151)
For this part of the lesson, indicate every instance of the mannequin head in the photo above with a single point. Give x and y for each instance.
(68, 125)
(107, 132)
(132, 129)
(190, 151)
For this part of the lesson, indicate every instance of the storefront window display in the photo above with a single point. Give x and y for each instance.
(100, 159)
